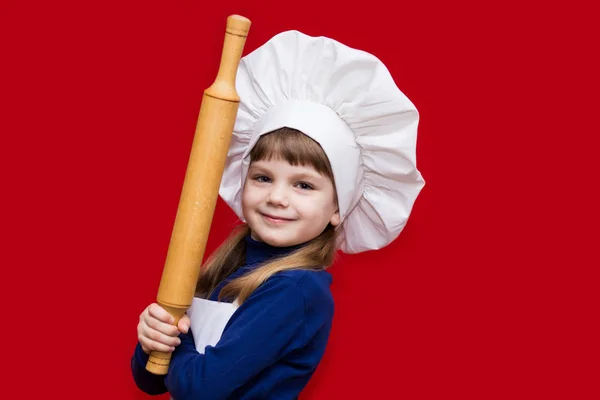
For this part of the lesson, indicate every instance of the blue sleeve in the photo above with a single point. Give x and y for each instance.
(266, 327)
(146, 381)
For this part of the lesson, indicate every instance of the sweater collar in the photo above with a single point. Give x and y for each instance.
(259, 252)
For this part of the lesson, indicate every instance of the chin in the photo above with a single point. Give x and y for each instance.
(277, 241)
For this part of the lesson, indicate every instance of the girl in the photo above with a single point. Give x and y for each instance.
(322, 158)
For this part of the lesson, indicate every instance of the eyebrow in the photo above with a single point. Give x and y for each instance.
(300, 175)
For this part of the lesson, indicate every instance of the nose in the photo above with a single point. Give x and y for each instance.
(278, 196)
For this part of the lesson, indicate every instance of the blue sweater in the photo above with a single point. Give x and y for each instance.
(269, 349)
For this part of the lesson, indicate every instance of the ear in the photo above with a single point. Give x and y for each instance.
(335, 218)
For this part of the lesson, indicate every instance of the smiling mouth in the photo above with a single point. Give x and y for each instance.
(275, 220)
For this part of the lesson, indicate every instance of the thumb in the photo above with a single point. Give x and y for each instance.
(184, 323)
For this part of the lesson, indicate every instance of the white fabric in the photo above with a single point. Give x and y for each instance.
(208, 320)
(347, 101)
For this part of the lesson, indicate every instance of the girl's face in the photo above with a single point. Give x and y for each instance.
(286, 205)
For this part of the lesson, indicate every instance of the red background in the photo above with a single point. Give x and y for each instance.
(491, 291)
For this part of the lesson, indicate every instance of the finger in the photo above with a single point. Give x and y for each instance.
(184, 323)
(157, 327)
(149, 345)
(160, 313)
(161, 327)
(158, 319)
(157, 336)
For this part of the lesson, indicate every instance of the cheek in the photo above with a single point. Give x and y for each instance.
(317, 207)
(249, 197)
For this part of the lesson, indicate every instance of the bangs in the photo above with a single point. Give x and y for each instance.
(294, 147)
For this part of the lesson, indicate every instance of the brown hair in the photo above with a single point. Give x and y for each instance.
(319, 253)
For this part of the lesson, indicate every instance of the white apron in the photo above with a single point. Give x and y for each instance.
(208, 319)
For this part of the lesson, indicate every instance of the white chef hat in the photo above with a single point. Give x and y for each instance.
(346, 100)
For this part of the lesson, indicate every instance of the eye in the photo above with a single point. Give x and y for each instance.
(262, 179)
(304, 186)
